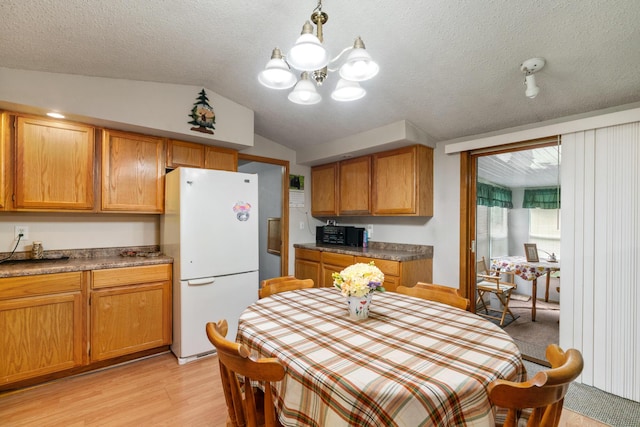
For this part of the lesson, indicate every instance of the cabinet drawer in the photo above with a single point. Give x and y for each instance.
(340, 260)
(130, 275)
(41, 284)
(389, 268)
(308, 254)
(391, 283)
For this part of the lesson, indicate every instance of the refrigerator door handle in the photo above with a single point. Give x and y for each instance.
(199, 282)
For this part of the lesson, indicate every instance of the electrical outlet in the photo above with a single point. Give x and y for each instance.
(21, 229)
(369, 231)
(301, 225)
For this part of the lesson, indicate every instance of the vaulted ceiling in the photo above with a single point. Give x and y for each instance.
(452, 68)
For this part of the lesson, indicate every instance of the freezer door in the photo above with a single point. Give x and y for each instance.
(219, 223)
(208, 300)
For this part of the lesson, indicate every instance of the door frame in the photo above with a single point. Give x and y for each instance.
(284, 222)
(468, 179)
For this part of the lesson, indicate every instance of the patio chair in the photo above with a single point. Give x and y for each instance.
(490, 282)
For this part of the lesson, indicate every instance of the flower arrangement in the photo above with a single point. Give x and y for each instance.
(359, 279)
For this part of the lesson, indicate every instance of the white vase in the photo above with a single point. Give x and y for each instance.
(359, 306)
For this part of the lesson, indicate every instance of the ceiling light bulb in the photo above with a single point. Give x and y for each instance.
(347, 90)
(532, 89)
(308, 54)
(359, 66)
(305, 92)
(277, 74)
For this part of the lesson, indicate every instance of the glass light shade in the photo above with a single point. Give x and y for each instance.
(359, 66)
(532, 89)
(305, 92)
(277, 75)
(308, 54)
(348, 91)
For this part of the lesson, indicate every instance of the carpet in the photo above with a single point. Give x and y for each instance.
(507, 320)
(597, 404)
(532, 338)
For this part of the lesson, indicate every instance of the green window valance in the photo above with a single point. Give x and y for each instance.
(543, 198)
(489, 195)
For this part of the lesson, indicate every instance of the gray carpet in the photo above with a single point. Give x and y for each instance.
(532, 338)
(597, 404)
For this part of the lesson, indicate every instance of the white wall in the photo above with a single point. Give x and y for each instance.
(79, 231)
(146, 107)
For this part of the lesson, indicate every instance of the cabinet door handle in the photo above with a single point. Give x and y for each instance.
(199, 282)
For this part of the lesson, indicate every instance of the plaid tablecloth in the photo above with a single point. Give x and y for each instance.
(411, 363)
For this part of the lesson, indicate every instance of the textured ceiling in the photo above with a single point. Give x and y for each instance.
(450, 67)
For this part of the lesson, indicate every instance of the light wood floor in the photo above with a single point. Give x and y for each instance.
(152, 392)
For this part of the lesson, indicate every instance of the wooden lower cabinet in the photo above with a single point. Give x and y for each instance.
(56, 325)
(333, 263)
(390, 269)
(406, 273)
(41, 324)
(130, 310)
(320, 265)
(307, 265)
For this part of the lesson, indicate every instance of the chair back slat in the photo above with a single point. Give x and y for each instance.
(544, 393)
(434, 292)
(283, 284)
(235, 363)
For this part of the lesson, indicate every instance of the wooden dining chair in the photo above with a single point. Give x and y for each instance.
(433, 292)
(543, 394)
(247, 406)
(488, 281)
(282, 284)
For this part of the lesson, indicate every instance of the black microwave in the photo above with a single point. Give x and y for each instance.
(339, 235)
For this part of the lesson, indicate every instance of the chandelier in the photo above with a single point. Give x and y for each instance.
(309, 56)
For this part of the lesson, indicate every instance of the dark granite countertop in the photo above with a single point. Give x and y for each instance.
(62, 261)
(379, 250)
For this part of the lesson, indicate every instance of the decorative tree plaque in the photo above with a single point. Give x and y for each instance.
(204, 118)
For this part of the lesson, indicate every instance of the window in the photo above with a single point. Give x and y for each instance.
(544, 230)
(492, 231)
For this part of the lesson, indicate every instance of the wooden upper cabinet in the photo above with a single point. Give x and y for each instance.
(180, 153)
(403, 182)
(220, 158)
(132, 172)
(324, 190)
(54, 165)
(194, 155)
(355, 186)
(4, 156)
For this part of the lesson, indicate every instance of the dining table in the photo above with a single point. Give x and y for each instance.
(527, 270)
(412, 362)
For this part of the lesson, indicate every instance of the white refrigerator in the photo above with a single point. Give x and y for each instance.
(210, 228)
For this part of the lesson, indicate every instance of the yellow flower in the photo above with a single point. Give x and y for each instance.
(359, 280)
